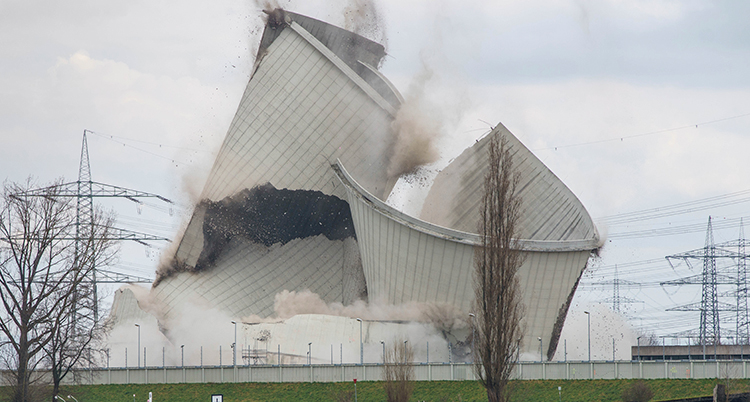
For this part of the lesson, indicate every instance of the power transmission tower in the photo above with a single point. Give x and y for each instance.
(84, 191)
(709, 326)
(616, 299)
(709, 279)
(743, 316)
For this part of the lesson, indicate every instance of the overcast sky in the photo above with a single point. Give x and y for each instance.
(633, 104)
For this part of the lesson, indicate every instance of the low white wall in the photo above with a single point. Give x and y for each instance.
(422, 372)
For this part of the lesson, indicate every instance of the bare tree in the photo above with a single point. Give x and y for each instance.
(637, 391)
(77, 329)
(399, 372)
(497, 305)
(43, 277)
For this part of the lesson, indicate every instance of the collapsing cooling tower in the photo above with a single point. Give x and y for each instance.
(294, 200)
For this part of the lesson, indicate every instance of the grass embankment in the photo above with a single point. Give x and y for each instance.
(572, 391)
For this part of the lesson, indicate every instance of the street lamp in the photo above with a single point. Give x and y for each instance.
(588, 315)
(361, 345)
(639, 347)
(234, 346)
(472, 335)
(383, 343)
(309, 353)
(139, 345)
(405, 351)
(541, 349)
(182, 352)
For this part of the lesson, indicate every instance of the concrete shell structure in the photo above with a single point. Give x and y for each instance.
(294, 200)
(551, 212)
(408, 259)
(314, 96)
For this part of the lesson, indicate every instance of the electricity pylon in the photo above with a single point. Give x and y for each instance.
(616, 299)
(84, 191)
(709, 279)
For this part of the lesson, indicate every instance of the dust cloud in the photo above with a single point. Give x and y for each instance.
(417, 126)
(204, 334)
(364, 18)
(290, 303)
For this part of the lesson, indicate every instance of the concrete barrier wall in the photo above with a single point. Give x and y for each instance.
(422, 372)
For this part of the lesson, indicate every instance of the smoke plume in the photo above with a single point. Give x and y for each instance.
(417, 126)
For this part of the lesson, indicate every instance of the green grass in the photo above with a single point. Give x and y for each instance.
(572, 391)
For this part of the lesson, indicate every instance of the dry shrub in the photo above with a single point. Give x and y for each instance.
(399, 372)
(637, 391)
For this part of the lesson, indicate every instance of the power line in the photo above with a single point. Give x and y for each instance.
(622, 138)
(729, 223)
(110, 138)
(679, 208)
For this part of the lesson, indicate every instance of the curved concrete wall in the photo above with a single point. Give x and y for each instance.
(406, 259)
(550, 210)
(302, 108)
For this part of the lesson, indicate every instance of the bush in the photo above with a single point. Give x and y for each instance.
(638, 391)
(343, 395)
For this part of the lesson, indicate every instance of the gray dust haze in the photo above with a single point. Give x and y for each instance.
(417, 126)
(364, 18)
(290, 303)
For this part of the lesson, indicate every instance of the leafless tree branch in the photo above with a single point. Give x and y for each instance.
(399, 372)
(45, 284)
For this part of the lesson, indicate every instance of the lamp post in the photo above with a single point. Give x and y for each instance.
(472, 335)
(139, 345)
(541, 349)
(405, 351)
(383, 343)
(234, 346)
(639, 347)
(309, 353)
(361, 345)
(588, 315)
(182, 352)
